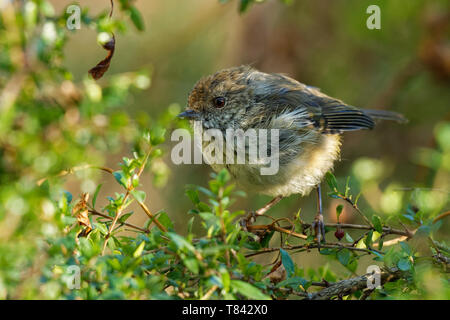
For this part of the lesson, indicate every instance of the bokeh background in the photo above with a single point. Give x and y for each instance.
(404, 67)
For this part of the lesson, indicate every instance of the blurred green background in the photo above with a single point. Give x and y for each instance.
(403, 67)
(320, 43)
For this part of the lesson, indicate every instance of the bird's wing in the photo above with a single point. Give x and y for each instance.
(307, 106)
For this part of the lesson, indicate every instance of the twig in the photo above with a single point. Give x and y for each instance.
(348, 286)
(94, 212)
(273, 227)
(312, 246)
(441, 216)
(124, 201)
(75, 169)
(151, 216)
(114, 220)
(355, 206)
(209, 293)
(387, 230)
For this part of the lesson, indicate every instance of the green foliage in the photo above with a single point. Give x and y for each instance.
(52, 127)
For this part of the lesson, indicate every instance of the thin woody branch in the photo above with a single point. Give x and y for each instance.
(348, 286)
(273, 227)
(306, 247)
(386, 230)
(75, 169)
(95, 212)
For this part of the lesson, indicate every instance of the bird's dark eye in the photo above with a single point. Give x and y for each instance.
(219, 102)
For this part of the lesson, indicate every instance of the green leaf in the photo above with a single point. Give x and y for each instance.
(68, 196)
(203, 207)
(352, 265)
(135, 180)
(424, 230)
(138, 195)
(146, 136)
(180, 242)
(331, 181)
(349, 238)
(137, 253)
(214, 185)
(223, 177)
(368, 239)
(379, 255)
(136, 17)
(190, 224)
(193, 195)
(327, 251)
(380, 243)
(244, 5)
(406, 247)
(339, 211)
(376, 221)
(344, 256)
(164, 219)
(287, 263)
(248, 290)
(226, 279)
(404, 264)
(294, 282)
(192, 265)
(157, 135)
(120, 177)
(94, 199)
(124, 217)
(347, 187)
(266, 239)
(207, 192)
(102, 228)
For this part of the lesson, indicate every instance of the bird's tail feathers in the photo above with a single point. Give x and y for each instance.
(385, 115)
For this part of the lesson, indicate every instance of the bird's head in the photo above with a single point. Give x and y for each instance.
(220, 100)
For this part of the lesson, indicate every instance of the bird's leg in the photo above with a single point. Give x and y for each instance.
(318, 225)
(251, 217)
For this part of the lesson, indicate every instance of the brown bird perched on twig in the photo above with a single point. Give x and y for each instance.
(309, 125)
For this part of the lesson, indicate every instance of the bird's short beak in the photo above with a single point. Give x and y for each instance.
(189, 114)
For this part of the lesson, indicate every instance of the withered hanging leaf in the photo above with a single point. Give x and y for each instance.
(101, 67)
(99, 70)
(81, 212)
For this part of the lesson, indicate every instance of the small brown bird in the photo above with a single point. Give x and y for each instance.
(309, 124)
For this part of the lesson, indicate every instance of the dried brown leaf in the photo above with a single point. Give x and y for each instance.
(99, 70)
(81, 212)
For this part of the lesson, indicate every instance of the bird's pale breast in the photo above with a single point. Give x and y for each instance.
(297, 175)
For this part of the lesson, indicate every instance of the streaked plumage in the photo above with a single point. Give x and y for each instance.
(309, 121)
